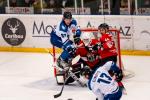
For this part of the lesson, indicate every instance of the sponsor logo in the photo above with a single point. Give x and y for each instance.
(13, 31)
(41, 29)
(145, 32)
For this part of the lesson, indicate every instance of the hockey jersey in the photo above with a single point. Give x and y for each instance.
(63, 31)
(108, 46)
(90, 57)
(101, 83)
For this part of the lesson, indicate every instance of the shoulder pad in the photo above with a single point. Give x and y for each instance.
(63, 27)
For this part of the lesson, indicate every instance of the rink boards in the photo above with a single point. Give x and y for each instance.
(30, 33)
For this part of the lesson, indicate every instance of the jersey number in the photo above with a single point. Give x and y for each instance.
(63, 35)
(104, 78)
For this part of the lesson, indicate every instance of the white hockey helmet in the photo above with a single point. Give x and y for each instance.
(86, 37)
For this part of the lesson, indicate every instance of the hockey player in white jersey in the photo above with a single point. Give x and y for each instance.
(60, 37)
(103, 85)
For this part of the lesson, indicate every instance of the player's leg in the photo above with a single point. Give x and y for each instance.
(61, 74)
(55, 40)
(114, 96)
(64, 62)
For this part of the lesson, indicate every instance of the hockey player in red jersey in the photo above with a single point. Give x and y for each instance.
(84, 49)
(108, 50)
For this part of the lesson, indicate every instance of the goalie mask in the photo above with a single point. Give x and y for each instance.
(86, 38)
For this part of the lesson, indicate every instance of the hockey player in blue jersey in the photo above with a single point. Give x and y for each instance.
(102, 84)
(60, 37)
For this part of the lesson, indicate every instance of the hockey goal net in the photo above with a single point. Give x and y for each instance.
(116, 36)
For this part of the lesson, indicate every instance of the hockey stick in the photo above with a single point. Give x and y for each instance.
(77, 79)
(69, 73)
(59, 94)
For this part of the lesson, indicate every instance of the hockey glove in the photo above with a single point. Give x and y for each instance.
(78, 33)
(76, 39)
(119, 76)
(86, 71)
(72, 51)
(89, 48)
(97, 47)
(69, 47)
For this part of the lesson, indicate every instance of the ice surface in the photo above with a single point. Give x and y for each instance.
(29, 76)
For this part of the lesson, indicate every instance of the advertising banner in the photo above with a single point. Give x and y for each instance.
(33, 31)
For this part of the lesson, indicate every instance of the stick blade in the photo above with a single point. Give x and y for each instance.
(57, 95)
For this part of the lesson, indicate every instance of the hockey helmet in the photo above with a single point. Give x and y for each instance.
(67, 15)
(104, 26)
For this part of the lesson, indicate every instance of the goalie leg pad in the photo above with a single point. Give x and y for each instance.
(60, 77)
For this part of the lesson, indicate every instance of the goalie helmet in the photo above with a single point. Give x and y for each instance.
(86, 38)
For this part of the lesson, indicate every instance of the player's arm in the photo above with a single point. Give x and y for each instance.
(117, 72)
(96, 44)
(107, 41)
(111, 66)
(76, 30)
